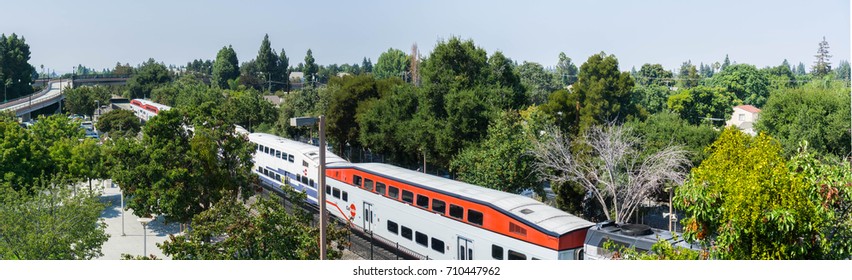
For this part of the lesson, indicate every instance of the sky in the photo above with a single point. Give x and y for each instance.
(99, 33)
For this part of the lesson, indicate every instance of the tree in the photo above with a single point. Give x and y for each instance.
(267, 62)
(611, 168)
(452, 66)
(726, 63)
(652, 98)
(501, 161)
(748, 84)
(745, 201)
(800, 69)
(119, 123)
(563, 107)
(703, 104)
(822, 65)
(688, 76)
(310, 68)
(383, 124)
(263, 231)
(248, 109)
(505, 89)
(15, 70)
(392, 63)
(664, 129)
(226, 67)
(539, 83)
(654, 74)
(84, 100)
(150, 75)
(23, 158)
(780, 76)
(180, 172)
(367, 66)
(51, 223)
(566, 71)
(284, 70)
(604, 92)
(350, 91)
(842, 71)
(814, 114)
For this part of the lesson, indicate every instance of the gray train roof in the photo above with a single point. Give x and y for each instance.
(522, 207)
(309, 151)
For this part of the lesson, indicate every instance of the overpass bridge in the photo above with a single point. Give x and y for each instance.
(49, 96)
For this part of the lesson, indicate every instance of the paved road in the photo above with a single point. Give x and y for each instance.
(132, 242)
(22, 103)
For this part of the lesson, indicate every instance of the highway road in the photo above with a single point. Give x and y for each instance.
(41, 99)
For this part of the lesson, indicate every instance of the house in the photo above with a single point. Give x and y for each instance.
(744, 117)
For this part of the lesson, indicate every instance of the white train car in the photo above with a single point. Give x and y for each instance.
(279, 161)
(435, 217)
(146, 109)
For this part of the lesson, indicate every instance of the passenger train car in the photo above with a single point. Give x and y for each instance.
(433, 216)
(146, 109)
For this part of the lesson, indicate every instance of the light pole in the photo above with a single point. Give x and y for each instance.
(306, 121)
(145, 222)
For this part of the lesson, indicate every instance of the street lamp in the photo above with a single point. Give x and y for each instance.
(145, 222)
(306, 121)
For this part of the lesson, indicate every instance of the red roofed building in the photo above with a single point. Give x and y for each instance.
(744, 117)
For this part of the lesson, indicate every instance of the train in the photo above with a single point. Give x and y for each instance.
(145, 109)
(435, 217)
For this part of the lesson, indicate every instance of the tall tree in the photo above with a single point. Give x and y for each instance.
(612, 170)
(367, 66)
(842, 71)
(84, 100)
(506, 90)
(566, 71)
(226, 67)
(16, 73)
(700, 105)
(604, 92)
(310, 68)
(392, 63)
(267, 62)
(749, 84)
(119, 123)
(800, 69)
(726, 63)
(688, 77)
(284, 70)
(822, 65)
(538, 82)
(150, 75)
(654, 74)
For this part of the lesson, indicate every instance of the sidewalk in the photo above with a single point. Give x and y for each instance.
(132, 242)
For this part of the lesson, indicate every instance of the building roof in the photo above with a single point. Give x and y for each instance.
(274, 99)
(749, 108)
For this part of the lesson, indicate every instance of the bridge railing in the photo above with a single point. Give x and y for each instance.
(101, 76)
(12, 101)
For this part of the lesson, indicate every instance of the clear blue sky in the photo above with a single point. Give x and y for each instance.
(100, 33)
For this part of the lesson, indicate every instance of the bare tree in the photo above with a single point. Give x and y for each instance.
(607, 162)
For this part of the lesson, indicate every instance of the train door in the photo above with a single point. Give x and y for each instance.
(465, 248)
(368, 217)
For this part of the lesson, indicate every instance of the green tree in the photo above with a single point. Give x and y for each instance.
(666, 129)
(53, 223)
(810, 113)
(726, 63)
(119, 123)
(263, 231)
(267, 62)
(453, 65)
(500, 161)
(310, 68)
(249, 108)
(654, 74)
(822, 65)
(178, 172)
(563, 107)
(23, 157)
(701, 104)
(392, 63)
(84, 100)
(688, 77)
(383, 122)
(150, 75)
(566, 71)
(367, 66)
(226, 67)
(15, 70)
(652, 98)
(746, 201)
(604, 92)
(283, 73)
(539, 83)
(842, 71)
(505, 90)
(346, 96)
(748, 84)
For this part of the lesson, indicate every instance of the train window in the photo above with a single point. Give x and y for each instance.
(311, 182)
(380, 188)
(305, 180)
(516, 256)
(456, 211)
(258, 147)
(345, 196)
(421, 239)
(496, 252)
(474, 217)
(356, 180)
(290, 158)
(439, 206)
(392, 227)
(423, 201)
(393, 192)
(438, 245)
(305, 164)
(335, 192)
(298, 177)
(405, 232)
(278, 177)
(327, 189)
(407, 196)
(368, 184)
(283, 155)
(278, 154)
(266, 150)
(517, 229)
